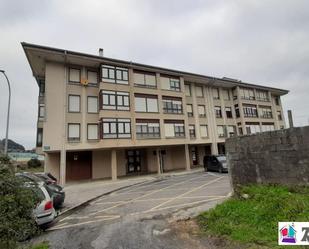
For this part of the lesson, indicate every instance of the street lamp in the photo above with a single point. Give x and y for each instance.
(8, 115)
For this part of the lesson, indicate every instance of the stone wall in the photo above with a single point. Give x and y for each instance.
(270, 157)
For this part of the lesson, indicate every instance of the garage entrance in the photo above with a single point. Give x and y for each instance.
(78, 165)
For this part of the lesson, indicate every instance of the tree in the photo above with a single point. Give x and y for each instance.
(16, 207)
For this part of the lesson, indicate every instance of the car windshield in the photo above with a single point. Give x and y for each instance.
(221, 158)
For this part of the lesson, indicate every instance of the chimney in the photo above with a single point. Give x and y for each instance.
(101, 52)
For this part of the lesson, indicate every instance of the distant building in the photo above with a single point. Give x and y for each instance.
(100, 117)
(24, 156)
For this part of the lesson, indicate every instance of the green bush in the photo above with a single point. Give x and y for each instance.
(16, 207)
(34, 163)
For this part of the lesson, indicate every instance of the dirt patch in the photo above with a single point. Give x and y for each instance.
(190, 233)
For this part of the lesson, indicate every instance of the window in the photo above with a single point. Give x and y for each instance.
(246, 93)
(268, 127)
(250, 111)
(226, 94)
(146, 103)
(172, 105)
(147, 129)
(118, 75)
(237, 111)
(39, 137)
(74, 103)
(252, 128)
(215, 92)
(174, 128)
(231, 130)
(234, 92)
(188, 90)
(279, 115)
(116, 128)
(192, 131)
(92, 132)
(92, 104)
(265, 112)
(262, 95)
(220, 130)
(73, 132)
(199, 91)
(92, 77)
(41, 111)
(74, 75)
(189, 110)
(201, 111)
(228, 111)
(277, 100)
(170, 83)
(218, 112)
(145, 79)
(115, 100)
(204, 131)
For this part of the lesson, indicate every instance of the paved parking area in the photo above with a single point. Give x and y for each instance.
(158, 197)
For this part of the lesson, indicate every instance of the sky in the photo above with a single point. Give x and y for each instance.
(261, 42)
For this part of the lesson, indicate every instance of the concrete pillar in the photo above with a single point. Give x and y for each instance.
(158, 161)
(187, 155)
(214, 149)
(62, 172)
(114, 164)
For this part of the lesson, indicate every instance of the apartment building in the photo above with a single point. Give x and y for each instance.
(104, 118)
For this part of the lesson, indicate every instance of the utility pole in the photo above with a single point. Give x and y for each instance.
(8, 115)
(290, 117)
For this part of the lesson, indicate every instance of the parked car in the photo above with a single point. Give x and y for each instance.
(44, 212)
(216, 163)
(47, 178)
(54, 190)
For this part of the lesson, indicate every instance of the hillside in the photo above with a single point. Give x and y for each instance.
(12, 146)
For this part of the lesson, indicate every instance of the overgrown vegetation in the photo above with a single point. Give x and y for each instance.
(43, 245)
(16, 207)
(34, 163)
(253, 215)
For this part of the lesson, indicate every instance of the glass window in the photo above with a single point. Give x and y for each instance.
(115, 100)
(226, 94)
(41, 111)
(39, 137)
(74, 103)
(92, 132)
(247, 93)
(92, 106)
(204, 131)
(228, 111)
(201, 111)
(218, 112)
(189, 110)
(231, 129)
(268, 127)
(92, 77)
(172, 106)
(188, 90)
(262, 95)
(279, 115)
(192, 131)
(250, 111)
(147, 129)
(145, 79)
(116, 128)
(73, 132)
(199, 91)
(74, 75)
(170, 83)
(220, 130)
(146, 103)
(215, 92)
(265, 112)
(112, 74)
(174, 129)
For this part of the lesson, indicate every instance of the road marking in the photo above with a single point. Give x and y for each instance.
(81, 223)
(147, 194)
(188, 192)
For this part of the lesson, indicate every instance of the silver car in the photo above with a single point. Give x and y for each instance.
(44, 212)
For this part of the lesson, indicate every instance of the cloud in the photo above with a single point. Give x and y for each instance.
(262, 42)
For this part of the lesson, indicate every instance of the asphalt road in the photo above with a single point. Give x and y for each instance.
(139, 216)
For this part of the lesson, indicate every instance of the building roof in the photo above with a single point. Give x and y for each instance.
(37, 56)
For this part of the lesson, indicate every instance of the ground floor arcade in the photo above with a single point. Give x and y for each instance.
(119, 162)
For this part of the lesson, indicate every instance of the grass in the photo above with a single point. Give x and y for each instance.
(254, 220)
(43, 245)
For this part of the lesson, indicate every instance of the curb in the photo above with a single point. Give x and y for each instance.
(85, 203)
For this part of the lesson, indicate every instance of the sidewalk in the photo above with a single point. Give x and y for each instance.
(80, 193)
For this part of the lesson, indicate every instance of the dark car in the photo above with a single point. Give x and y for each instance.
(54, 190)
(48, 178)
(215, 163)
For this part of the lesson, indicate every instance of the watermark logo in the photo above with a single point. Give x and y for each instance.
(293, 233)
